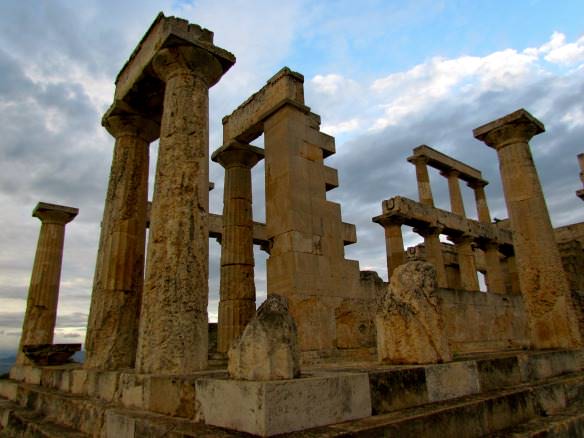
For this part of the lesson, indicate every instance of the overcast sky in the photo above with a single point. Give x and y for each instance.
(385, 76)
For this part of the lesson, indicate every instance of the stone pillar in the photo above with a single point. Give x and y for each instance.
(495, 277)
(580, 192)
(112, 329)
(550, 313)
(43, 294)
(423, 179)
(237, 287)
(394, 244)
(466, 262)
(173, 336)
(434, 253)
(456, 203)
(431, 237)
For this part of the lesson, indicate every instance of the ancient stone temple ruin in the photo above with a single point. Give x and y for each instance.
(333, 351)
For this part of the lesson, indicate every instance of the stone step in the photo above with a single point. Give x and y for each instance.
(16, 421)
(471, 416)
(568, 423)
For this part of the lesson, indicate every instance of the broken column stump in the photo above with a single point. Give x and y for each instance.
(268, 347)
(409, 322)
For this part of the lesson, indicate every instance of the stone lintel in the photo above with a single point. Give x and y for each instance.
(517, 118)
(68, 213)
(135, 80)
(445, 164)
(349, 234)
(245, 123)
(414, 214)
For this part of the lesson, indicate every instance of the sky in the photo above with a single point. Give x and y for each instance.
(385, 76)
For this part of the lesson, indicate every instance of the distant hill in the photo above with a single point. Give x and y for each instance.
(7, 359)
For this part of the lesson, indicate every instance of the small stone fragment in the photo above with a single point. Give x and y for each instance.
(409, 323)
(268, 347)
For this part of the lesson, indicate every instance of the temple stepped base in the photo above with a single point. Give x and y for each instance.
(519, 394)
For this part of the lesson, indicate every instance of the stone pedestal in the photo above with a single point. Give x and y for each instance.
(43, 293)
(237, 287)
(112, 331)
(544, 286)
(173, 336)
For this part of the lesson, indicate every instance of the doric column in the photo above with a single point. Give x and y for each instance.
(544, 285)
(580, 192)
(495, 278)
(423, 179)
(112, 329)
(43, 294)
(466, 262)
(434, 254)
(394, 244)
(237, 287)
(173, 337)
(456, 203)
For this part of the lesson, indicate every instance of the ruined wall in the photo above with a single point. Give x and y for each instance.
(477, 322)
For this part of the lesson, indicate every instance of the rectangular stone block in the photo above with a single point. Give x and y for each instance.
(451, 380)
(273, 407)
(8, 389)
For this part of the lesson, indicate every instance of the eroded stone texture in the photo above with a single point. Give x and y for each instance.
(544, 286)
(43, 293)
(173, 334)
(112, 330)
(268, 347)
(409, 321)
(237, 286)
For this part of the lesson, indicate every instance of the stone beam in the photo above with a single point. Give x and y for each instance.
(260, 235)
(418, 215)
(444, 163)
(246, 122)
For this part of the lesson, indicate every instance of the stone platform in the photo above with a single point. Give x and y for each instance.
(470, 396)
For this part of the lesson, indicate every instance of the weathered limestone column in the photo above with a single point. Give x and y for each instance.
(434, 252)
(112, 330)
(495, 278)
(456, 202)
(237, 287)
(464, 250)
(466, 262)
(394, 243)
(580, 192)
(173, 336)
(43, 294)
(546, 293)
(423, 179)
(431, 237)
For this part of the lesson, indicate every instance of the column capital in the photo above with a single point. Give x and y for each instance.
(429, 230)
(518, 127)
(54, 214)
(476, 184)
(418, 159)
(121, 120)
(450, 173)
(237, 154)
(188, 61)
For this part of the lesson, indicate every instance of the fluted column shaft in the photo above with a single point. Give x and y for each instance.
(112, 330)
(456, 202)
(550, 313)
(173, 336)
(43, 294)
(237, 285)
(423, 179)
